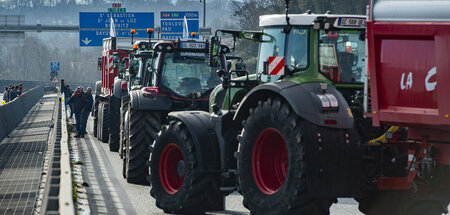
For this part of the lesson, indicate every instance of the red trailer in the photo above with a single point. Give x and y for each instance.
(113, 47)
(409, 76)
(111, 88)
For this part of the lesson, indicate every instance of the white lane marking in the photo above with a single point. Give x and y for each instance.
(112, 189)
(97, 196)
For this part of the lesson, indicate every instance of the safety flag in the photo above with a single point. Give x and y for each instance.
(185, 28)
(112, 28)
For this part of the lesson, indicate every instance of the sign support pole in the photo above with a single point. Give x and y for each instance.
(204, 13)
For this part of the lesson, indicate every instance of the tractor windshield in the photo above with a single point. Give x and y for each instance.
(292, 46)
(341, 55)
(136, 72)
(187, 72)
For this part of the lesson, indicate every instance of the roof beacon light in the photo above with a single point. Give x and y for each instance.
(132, 35)
(149, 32)
(193, 34)
(135, 46)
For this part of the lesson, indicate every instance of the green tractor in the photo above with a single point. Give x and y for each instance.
(285, 137)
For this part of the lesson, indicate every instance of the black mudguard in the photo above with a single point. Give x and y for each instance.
(303, 100)
(205, 140)
(333, 161)
(141, 100)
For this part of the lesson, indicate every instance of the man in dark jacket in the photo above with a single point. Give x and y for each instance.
(68, 93)
(90, 99)
(80, 104)
(10, 88)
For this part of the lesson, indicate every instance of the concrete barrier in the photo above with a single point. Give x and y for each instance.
(13, 112)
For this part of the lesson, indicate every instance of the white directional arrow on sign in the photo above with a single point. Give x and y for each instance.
(86, 41)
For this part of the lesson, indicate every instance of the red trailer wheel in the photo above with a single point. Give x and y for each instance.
(170, 176)
(269, 161)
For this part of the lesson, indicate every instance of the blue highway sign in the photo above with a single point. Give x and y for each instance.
(176, 26)
(179, 15)
(94, 26)
(172, 23)
(54, 66)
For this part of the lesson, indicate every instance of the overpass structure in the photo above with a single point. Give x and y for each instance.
(13, 28)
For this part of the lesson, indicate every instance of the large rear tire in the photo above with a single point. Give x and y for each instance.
(123, 138)
(143, 126)
(177, 184)
(104, 136)
(95, 116)
(95, 127)
(99, 121)
(114, 123)
(272, 165)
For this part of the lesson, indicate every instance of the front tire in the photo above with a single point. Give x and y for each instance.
(177, 185)
(143, 126)
(272, 164)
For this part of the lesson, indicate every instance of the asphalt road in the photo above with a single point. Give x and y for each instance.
(109, 193)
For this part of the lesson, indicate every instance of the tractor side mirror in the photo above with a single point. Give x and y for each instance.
(362, 35)
(214, 51)
(150, 70)
(265, 68)
(225, 78)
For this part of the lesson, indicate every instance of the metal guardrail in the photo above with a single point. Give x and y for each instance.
(58, 197)
(13, 112)
(66, 204)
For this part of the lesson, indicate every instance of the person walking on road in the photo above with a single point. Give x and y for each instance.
(65, 88)
(69, 93)
(80, 104)
(90, 99)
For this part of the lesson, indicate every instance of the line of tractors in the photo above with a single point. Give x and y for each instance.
(339, 106)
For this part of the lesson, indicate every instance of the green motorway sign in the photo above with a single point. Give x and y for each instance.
(117, 10)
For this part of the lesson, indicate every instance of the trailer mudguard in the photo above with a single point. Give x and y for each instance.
(304, 100)
(141, 100)
(117, 90)
(205, 140)
(98, 88)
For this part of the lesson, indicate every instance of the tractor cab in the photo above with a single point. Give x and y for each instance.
(141, 61)
(325, 47)
(181, 69)
(342, 48)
